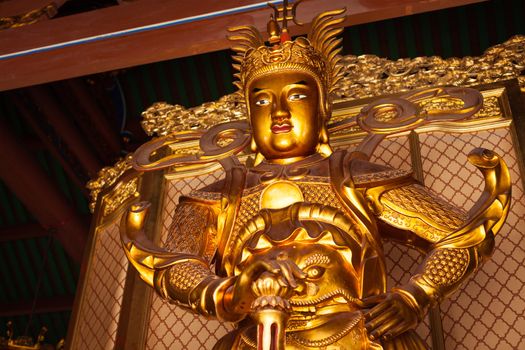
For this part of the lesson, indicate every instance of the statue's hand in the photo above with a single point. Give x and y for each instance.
(241, 294)
(392, 316)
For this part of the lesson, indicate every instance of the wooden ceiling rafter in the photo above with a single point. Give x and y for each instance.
(56, 116)
(78, 176)
(95, 114)
(74, 105)
(115, 37)
(40, 195)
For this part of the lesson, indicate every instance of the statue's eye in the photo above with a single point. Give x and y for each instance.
(262, 102)
(314, 272)
(296, 97)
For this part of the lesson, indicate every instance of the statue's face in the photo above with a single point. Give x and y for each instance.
(284, 113)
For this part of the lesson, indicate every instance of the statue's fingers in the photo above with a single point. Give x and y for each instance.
(255, 270)
(297, 272)
(274, 264)
(395, 330)
(271, 267)
(373, 300)
(282, 282)
(287, 273)
(377, 310)
(381, 324)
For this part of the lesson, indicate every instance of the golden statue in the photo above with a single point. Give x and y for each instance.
(290, 249)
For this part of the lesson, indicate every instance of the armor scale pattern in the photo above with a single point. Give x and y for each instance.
(446, 266)
(319, 193)
(380, 176)
(187, 230)
(414, 198)
(440, 219)
(187, 275)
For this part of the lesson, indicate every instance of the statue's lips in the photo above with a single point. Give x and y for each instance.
(281, 128)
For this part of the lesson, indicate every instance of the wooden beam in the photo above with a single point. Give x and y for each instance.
(148, 31)
(98, 121)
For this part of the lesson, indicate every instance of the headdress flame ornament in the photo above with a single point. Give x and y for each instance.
(318, 54)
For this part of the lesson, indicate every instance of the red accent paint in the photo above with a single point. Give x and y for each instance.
(281, 129)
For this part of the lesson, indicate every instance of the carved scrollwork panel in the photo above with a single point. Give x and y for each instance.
(363, 77)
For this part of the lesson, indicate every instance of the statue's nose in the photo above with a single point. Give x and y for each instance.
(281, 110)
(281, 115)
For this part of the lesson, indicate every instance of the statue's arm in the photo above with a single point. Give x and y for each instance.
(413, 215)
(181, 273)
(189, 282)
(455, 242)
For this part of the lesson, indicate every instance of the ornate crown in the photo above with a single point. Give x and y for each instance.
(317, 54)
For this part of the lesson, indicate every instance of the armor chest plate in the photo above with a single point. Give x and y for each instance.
(283, 203)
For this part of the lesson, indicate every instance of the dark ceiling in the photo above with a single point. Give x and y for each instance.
(67, 130)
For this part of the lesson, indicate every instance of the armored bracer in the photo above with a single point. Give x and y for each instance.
(455, 242)
(181, 273)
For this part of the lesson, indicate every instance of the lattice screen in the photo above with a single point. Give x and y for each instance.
(488, 312)
(394, 153)
(104, 288)
(172, 327)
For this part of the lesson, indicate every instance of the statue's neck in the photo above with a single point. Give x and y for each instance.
(319, 155)
(286, 161)
(290, 164)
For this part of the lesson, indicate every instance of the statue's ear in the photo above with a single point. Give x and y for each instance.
(326, 112)
(327, 108)
(253, 145)
(323, 134)
(324, 147)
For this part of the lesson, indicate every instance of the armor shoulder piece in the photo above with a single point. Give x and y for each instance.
(367, 174)
(415, 208)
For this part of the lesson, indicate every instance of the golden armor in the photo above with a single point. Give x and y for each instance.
(290, 248)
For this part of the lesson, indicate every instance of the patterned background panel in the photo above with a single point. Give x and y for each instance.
(487, 313)
(393, 152)
(172, 327)
(99, 313)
